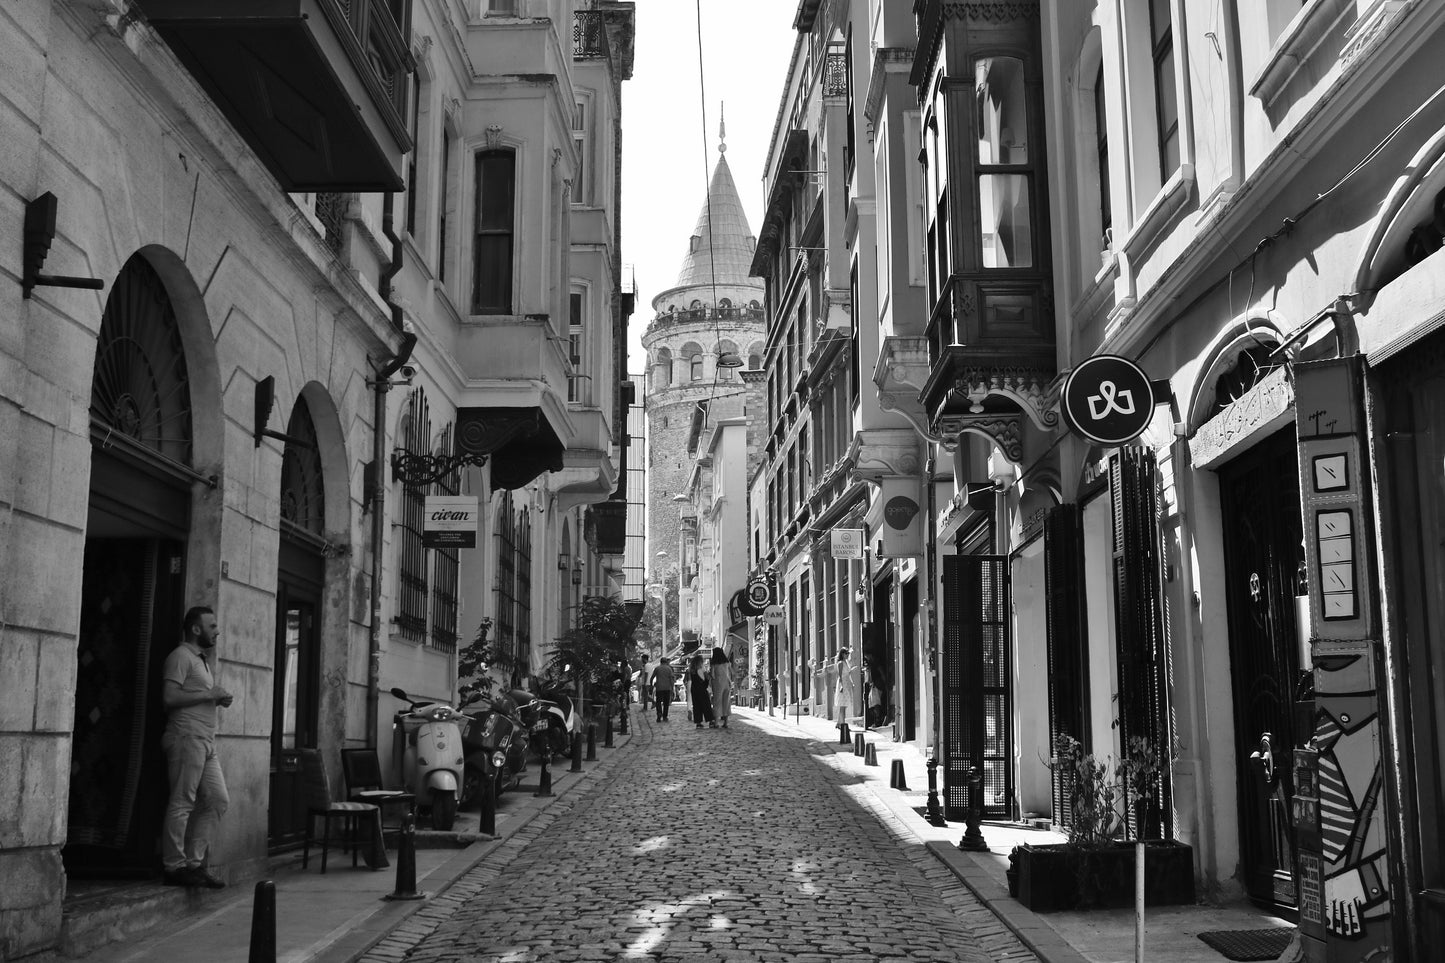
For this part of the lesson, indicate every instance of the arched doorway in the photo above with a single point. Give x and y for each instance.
(300, 579)
(132, 581)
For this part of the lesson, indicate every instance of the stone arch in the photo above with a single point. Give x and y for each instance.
(1244, 335)
(755, 355)
(662, 368)
(331, 440)
(1417, 199)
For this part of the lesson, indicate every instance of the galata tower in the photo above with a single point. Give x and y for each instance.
(713, 310)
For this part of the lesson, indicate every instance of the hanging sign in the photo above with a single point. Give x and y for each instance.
(1108, 399)
(901, 534)
(774, 615)
(847, 543)
(759, 595)
(450, 521)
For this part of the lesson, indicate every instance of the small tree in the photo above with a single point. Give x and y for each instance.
(476, 662)
(596, 651)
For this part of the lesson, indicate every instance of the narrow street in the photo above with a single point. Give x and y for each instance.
(728, 845)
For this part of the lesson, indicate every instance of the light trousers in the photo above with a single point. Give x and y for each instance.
(198, 800)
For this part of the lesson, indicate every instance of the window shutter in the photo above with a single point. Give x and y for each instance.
(1143, 654)
(1068, 643)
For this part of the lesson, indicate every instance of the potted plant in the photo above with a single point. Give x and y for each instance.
(1096, 868)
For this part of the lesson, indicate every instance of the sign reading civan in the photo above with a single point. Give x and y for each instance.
(451, 521)
(1108, 399)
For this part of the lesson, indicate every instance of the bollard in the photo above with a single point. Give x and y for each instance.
(622, 720)
(487, 815)
(870, 755)
(406, 862)
(607, 734)
(844, 737)
(263, 924)
(544, 781)
(934, 812)
(896, 778)
(576, 752)
(592, 742)
(973, 840)
(858, 744)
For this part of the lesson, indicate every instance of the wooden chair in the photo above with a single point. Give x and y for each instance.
(362, 771)
(320, 804)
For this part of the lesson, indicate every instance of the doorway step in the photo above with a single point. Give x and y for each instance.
(98, 912)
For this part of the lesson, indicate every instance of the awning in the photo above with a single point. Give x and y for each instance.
(520, 442)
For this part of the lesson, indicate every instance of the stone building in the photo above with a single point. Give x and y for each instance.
(227, 419)
(713, 310)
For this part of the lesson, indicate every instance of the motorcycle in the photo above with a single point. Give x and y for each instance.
(430, 739)
(561, 720)
(495, 739)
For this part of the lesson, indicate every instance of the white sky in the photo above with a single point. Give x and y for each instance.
(746, 45)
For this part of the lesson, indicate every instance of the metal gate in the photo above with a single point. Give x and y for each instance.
(1259, 495)
(977, 729)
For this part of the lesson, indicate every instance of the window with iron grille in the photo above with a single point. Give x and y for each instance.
(506, 607)
(446, 565)
(411, 554)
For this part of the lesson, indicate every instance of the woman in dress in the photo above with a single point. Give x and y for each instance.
(697, 686)
(722, 685)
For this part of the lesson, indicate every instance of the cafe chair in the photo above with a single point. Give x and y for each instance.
(362, 770)
(319, 804)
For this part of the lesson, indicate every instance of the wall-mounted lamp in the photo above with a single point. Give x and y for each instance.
(563, 562)
(577, 572)
(39, 231)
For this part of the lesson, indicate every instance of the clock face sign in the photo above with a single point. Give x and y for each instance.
(1108, 399)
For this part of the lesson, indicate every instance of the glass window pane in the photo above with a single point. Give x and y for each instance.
(495, 202)
(1168, 96)
(1006, 220)
(1002, 114)
(1160, 18)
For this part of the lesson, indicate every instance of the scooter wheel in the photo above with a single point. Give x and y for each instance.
(443, 809)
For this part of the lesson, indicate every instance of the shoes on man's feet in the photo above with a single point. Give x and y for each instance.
(725, 723)
(712, 725)
(208, 879)
(185, 876)
(698, 726)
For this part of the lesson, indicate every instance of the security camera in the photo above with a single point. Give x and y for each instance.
(407, 372)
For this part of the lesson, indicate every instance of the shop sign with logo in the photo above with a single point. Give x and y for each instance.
(450, 521)
(847, 543)
(774, 615)
(1108, 399)
(901, 534)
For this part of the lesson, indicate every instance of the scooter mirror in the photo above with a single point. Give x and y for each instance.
(400, 694)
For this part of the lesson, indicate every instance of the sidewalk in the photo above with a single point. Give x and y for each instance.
(337, 916)
(1093, 936)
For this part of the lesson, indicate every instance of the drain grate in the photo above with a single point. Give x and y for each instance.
(1250, 945)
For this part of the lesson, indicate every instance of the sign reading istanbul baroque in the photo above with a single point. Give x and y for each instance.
(1108, 399)
(451, 521)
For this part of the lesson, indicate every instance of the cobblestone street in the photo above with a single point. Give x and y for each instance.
(728, 845)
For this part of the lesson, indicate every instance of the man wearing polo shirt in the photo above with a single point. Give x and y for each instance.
(198, 792)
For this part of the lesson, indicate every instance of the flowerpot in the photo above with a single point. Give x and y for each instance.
(1060, 876)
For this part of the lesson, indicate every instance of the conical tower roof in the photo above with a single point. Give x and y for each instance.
(728, 247)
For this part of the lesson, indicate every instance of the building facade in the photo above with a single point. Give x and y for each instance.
(285, 331)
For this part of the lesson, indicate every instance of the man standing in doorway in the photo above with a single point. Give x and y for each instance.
(198, 796)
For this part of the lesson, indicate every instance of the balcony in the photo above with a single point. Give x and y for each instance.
(317, 88)
(988, 337)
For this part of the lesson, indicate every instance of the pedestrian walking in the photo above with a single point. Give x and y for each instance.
(644, 683)
(661, 679)
(697, 685)
(720, 678)
(198, 796)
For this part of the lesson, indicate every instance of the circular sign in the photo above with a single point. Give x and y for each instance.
(759, 592)
(1108, 399)
(774, 615)
(899, 512)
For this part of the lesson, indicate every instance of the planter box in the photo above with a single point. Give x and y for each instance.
(1059, 877)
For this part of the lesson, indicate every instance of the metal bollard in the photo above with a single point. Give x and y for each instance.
(487, 815)
(406, 862)
(896, 778)
(973, 840)
(622, 719)
(544, 781)
(576, 752)
(263, 924)
(607, 734)
(844, 736)
(858, 744)
(870, 755)
(592, 742)
(934, 812)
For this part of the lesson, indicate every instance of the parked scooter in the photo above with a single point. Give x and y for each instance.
(495, 739)
(432, 755)
(561, 722)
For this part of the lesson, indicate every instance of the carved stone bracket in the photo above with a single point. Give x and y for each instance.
(481, 431)
(837, 311)
(1005, 431)
(1034, 391)
(494, 136)
(878, 453)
